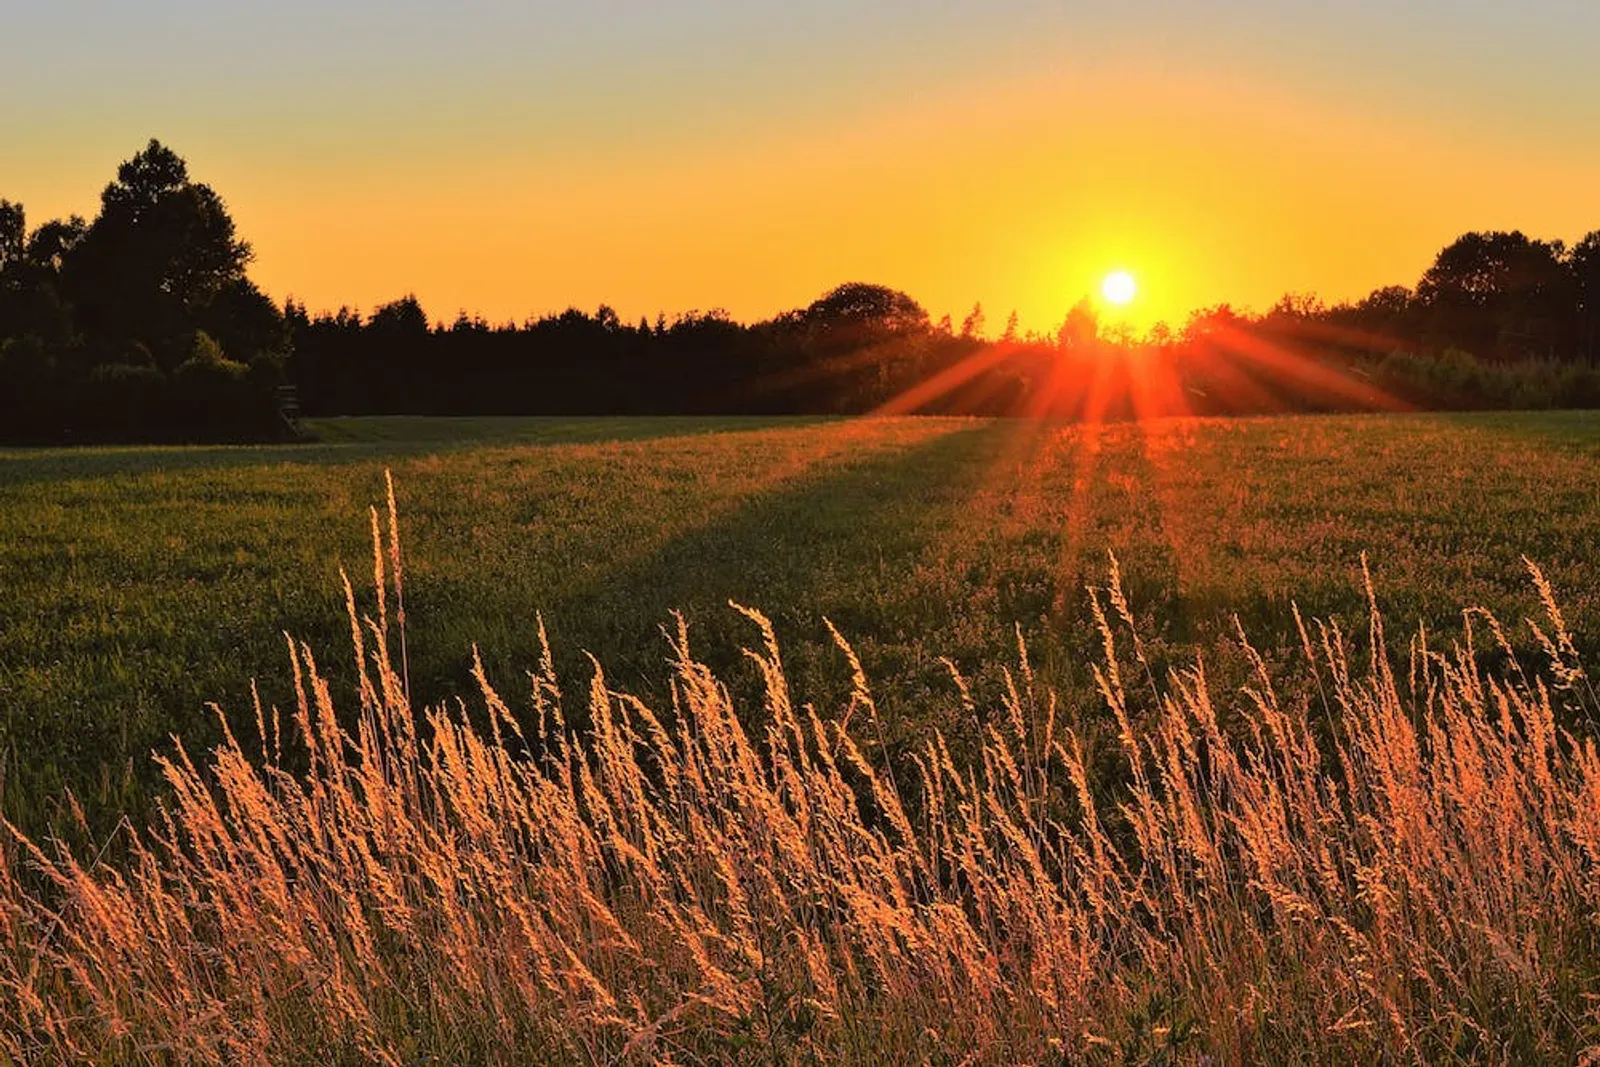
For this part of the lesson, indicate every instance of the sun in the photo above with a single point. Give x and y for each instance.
(1119, 288)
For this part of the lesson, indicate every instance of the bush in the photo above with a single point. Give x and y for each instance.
(1458, 380)
(30, 391)
(123, 402)
(220, 399)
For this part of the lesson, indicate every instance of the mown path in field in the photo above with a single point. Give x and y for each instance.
(136, 584)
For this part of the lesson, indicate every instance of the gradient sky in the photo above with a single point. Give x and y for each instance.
(517, 158)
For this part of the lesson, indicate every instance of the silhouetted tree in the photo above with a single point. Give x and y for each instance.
(13, 233)
(30, 297)
(972, 326)
(1388, 312)
(1498, 295)
(1585, 263)
(160, 252)
(245, 322)
(1297, 307)
(401, 319)
(1210, 322)
(53, 242)
(96, 320)
(858, 310)
(1081, 327)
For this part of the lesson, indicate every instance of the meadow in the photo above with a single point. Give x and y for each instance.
(1149, 743)
(139, 584)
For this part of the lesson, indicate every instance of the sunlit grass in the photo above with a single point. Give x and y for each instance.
(1368, 864)
(140, 583)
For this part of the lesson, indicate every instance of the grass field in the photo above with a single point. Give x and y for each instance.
(138, 584)
(1344, 863)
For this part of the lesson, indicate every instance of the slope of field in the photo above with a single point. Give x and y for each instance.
(137, 584)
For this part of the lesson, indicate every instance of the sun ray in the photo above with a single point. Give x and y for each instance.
(946, 381)
(1292, 368)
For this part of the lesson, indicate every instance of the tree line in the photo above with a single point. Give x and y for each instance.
(142, 325)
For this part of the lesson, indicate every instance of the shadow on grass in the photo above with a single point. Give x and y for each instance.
(841, 544)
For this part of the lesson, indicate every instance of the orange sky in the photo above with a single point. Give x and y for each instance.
(1234, 170)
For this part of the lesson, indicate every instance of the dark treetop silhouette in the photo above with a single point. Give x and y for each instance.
(143, 325)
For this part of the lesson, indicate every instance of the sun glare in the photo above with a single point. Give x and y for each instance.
(1119, 288)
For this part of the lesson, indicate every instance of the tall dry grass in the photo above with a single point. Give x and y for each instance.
(1382, 870)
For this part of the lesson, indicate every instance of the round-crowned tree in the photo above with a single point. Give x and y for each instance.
(860, 310)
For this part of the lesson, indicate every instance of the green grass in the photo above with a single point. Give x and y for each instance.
(138, 583)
